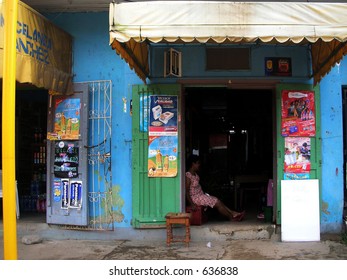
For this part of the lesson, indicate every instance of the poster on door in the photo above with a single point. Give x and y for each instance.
(163, 115)
(162, 156)
(298, 113)
(66, 159)
(297, 155)
(67, 119)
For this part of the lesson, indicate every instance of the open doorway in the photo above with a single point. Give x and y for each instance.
(233, 131)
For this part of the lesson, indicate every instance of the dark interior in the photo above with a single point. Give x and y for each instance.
(233, 131)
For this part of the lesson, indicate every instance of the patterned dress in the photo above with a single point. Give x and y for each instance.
(198, 196)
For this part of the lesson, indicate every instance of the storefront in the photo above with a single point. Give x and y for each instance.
(43, 69)
(216, 58)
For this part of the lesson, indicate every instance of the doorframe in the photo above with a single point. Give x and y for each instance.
(231, 84)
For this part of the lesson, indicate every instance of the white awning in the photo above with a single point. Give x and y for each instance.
(133, 25)
(44, 51)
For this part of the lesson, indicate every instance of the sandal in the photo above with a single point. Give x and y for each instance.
(239, 217)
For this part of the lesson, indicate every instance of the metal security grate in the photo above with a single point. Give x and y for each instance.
(99, 156)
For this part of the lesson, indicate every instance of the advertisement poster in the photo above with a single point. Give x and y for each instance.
(65, 193)
(67, 119)
(144, 104)
(296, 176)
(57, 187)
(163, 115)
(278, 66)
(298, 113)
(297, 155)
(66, 159)
(162, 156)
(162, 136)
(75, 200)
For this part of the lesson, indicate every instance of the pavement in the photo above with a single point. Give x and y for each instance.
(197, 250)
(222, 241)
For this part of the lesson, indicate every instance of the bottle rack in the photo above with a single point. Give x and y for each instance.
(35, 200)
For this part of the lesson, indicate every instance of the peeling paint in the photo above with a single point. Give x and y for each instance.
(117, 204)
(325, 207)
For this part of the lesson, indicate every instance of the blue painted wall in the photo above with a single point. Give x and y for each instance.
(193, 63)
(332, 148)
(93, 59)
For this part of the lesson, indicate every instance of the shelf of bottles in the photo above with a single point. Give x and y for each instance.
(35, 201)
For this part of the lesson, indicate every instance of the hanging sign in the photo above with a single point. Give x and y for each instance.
(298, 113)
(66, 159)
(297, 155)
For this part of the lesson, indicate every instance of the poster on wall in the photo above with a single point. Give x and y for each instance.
(298, 113)
(278, 66)
(67, 119)
(163, 115)
(297, 155)
(162, 156)
(66, 159)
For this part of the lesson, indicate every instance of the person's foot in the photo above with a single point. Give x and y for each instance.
(239, 216)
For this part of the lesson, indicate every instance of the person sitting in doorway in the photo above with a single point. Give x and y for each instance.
(196, 196)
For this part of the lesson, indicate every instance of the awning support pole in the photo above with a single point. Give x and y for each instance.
(8, 131)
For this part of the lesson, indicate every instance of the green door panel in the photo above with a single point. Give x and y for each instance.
(152, 198)
(315, 159)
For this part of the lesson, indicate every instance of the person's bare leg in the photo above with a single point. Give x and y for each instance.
(225, 211)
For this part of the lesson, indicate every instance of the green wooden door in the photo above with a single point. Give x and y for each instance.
(152, 197)
(315, 158)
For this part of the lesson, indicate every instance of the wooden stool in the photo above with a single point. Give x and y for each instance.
(177, 219)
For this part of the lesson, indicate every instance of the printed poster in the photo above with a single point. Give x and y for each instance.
(162, 136)
(162, 156)
(296, 176)
(144, 104)
(298, 113)
(66, 159)
(75, 199)
(163, 115)
(278, 66)
(65, 193)
(297, 155)
(67, 119)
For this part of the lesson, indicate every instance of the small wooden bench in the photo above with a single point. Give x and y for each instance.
(177, 219)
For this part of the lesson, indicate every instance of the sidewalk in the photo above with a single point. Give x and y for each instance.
(224, 241)
(267, 249)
